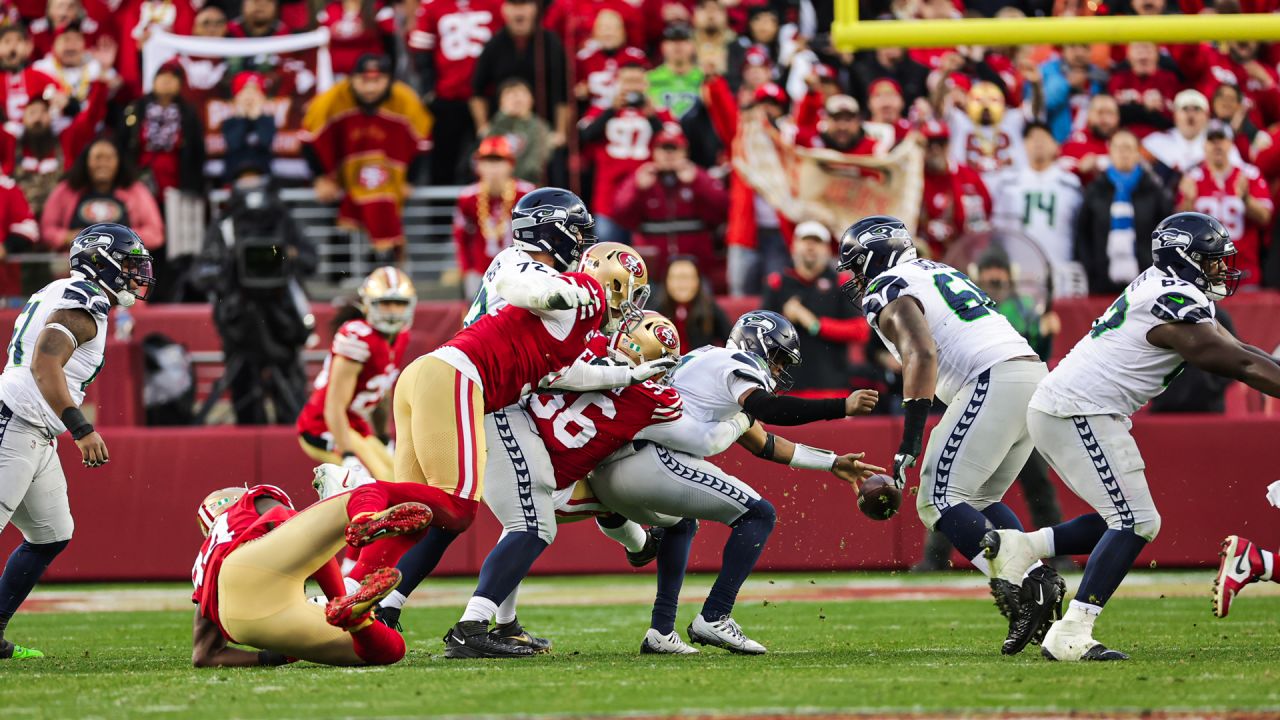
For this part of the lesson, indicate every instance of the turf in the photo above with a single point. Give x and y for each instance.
(936, 656)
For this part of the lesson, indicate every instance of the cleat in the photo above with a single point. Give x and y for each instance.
(352, 612)
(471, 639)
(1010, 555)
(401, 519)
(1006, 597)
(389, 616)
(329, 480)
(1241, 565)
(1038, 599)
(723, 633)
(12, 651)
(647, 554)
(655, 643)
(1071, 641)
(514, 633)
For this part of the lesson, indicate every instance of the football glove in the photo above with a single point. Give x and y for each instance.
(357, 468)
(646, 370)
(567, 297)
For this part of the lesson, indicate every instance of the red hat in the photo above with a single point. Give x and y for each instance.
(879, 82)
(824, 72)
(771, 92)
(245, 79)
(671, 135)
(757, 56)
(959, 80)
(173, 67)
(632, 57)
(935, 130)
(71, 27)
(496, 146)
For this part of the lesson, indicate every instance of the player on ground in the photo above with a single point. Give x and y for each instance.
(953, 344)
(363, 363)
(1243, 563)
(652, 484)
(58, 348)
(1079, 417)
(257, 555)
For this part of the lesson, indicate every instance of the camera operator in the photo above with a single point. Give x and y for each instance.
(253, 258)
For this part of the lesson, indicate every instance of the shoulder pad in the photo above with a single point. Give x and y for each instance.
(351, 344)
(1176, 306)
(84, 295)
(883, 290)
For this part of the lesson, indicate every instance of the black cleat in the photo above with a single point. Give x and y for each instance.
(514, 633)
(1006, 597)
(647, 554)
(1039, 599)
(471, 639)
(389, 616)
(1097, 653)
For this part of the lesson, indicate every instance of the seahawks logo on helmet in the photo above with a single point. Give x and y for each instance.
(540, 215)
(666, 336)
(631, 263)
(85, 243)
(1173, 239)
(759, 321)
(883, 232)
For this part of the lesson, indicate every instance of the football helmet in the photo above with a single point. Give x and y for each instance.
(114, 257)
(771, 337)
(871, 246)
(388, 285)
(216, 503)
(625, 279)
(654, 337)
(553, 221)
(1183, 243)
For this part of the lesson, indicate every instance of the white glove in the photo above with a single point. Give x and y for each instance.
(901, 462)
(1273, 493)
(567, 297)
(646, 370)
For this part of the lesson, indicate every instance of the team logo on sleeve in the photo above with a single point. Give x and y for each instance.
(631, 263)
(667, 337)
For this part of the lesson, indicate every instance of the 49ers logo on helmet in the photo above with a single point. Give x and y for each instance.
(666, 336)
(631, 263)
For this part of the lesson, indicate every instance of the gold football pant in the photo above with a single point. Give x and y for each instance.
(439, 429)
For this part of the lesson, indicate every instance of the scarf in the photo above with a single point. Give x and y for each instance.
(1123, 263)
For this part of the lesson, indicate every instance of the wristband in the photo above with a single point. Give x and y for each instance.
(766, 452)
(808, 458)
(815, 327)
(76, 423)
(917, 414)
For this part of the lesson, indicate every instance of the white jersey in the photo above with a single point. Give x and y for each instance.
(1113, 370)
(712, 379)
(489, 301)
(988, 150)
(970, 334)
(1042, 206)
(17, 385)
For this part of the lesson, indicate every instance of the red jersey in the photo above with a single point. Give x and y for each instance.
(456, 31)
(513, 349)
(954, 203)
(580, 430)
(1206, 68)
(233, 528)
(1129, 89)
(1220, 200)
(598, 68)
(573, 20)
(625, 146)
(16, 89)
(16, 219)
(479, 242)
(42, 33)
(1079, 144)
(348, 36)
(379, 362)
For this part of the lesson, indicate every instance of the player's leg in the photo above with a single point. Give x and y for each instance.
(673, 560)
(1243, 563)
(378, 496)
(375, 456)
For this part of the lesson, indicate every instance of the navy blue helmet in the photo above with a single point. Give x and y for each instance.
(554, 221)
(772, 337)
(871, 246)
(1183, 242)
(114, 257)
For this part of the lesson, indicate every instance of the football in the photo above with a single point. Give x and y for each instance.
(879, 498)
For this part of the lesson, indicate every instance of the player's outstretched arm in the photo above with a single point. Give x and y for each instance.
(209, 649)
(65, 331)
(590, 376)
(903, 323)
(1212, 349)
(695, 437)
(538, 288)
(764, 444)
(787, 410)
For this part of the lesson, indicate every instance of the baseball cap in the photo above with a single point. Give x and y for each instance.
(756, 57)
(677, 31)
(881, 82)
(671, 136)
(371, 64)
(771, 92)
(841, 105)
(824, 71)
(934, 130)
(1219, 130)
(1190, 98)
(812, 229)
(495, 146)
(244, 79)
(632, 57)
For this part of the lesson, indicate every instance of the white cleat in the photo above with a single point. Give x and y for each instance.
(1009, 553)
(1072, 641)
(329, 480)
(655, 643)
(723, 633)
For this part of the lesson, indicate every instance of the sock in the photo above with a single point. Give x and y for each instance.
(673, 560)
(1108, 564)
(1078, 536)
(746, 542)
(980, 561)
(631, 535)
(1268, 568)
(382, 553)
(479, 609)
(507, 564)
(27, 563)
(1082, 612)
(350, 585)
(507, 608)
(964, 527)
(378, 644)
(448, 511)
(1002, 517)
(421, 559)
(395, 600)
(1042, 543)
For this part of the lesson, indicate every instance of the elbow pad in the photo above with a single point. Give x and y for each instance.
(785, 410)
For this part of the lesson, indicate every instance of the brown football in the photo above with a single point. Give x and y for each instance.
(879, 498)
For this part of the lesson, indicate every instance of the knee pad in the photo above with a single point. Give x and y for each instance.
(1148, 527)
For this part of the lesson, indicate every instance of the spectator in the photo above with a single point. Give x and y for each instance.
(1041, 200)
(1235, 193)
(1144, 90)
(762, 33)
(985, 134)
(60, 14)
(522, 49)
(79, 74)
(163, 131)
(574, 21)
(598, 61)
(210, 21)
(100, 188)
(1085, 153)
(250, 131)
(1121, 209)
(617, 141)
(358, 27)
(841, 130)
(39, 157)
(686, 299)
(671, 206)
(482, 217)
(955, 202)
(1207, 66)
(258, 18)
(529, 135)
(712, 36)
(884, 100)
(808, 295)
(1070, 81)
(446, 42)
(676, 84)
(1228, 107)
(20, 234)
(757, 71)
(1178, 150)
(896, 65)
(18, 83)
(362, 135)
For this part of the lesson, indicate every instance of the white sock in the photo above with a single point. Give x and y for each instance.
(1082, 613)
(479, 609)
(1042, 542)
(1268, 564)
(351, 585)
(981, 563)
(507, 610)
(631, 535)
(346, 565)
(395, 600)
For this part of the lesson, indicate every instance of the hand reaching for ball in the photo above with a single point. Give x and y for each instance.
(849, 469)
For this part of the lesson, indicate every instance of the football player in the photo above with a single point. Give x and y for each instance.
(1243, 563)
(1079, 417)
(953, 344)
(57, 349)
(658, 484)
(257, 555)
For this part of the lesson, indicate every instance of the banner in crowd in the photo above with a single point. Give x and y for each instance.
(294, 69)
(829, 186)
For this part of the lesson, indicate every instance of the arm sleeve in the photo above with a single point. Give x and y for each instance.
(847, 330)
(526, 284)
(584, 376)
(698, 438)
(785, 410)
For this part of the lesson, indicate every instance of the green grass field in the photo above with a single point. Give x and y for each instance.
(834, 655)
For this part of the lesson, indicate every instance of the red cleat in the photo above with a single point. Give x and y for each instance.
(1241, 564)
(353, 612)
(400, 519)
